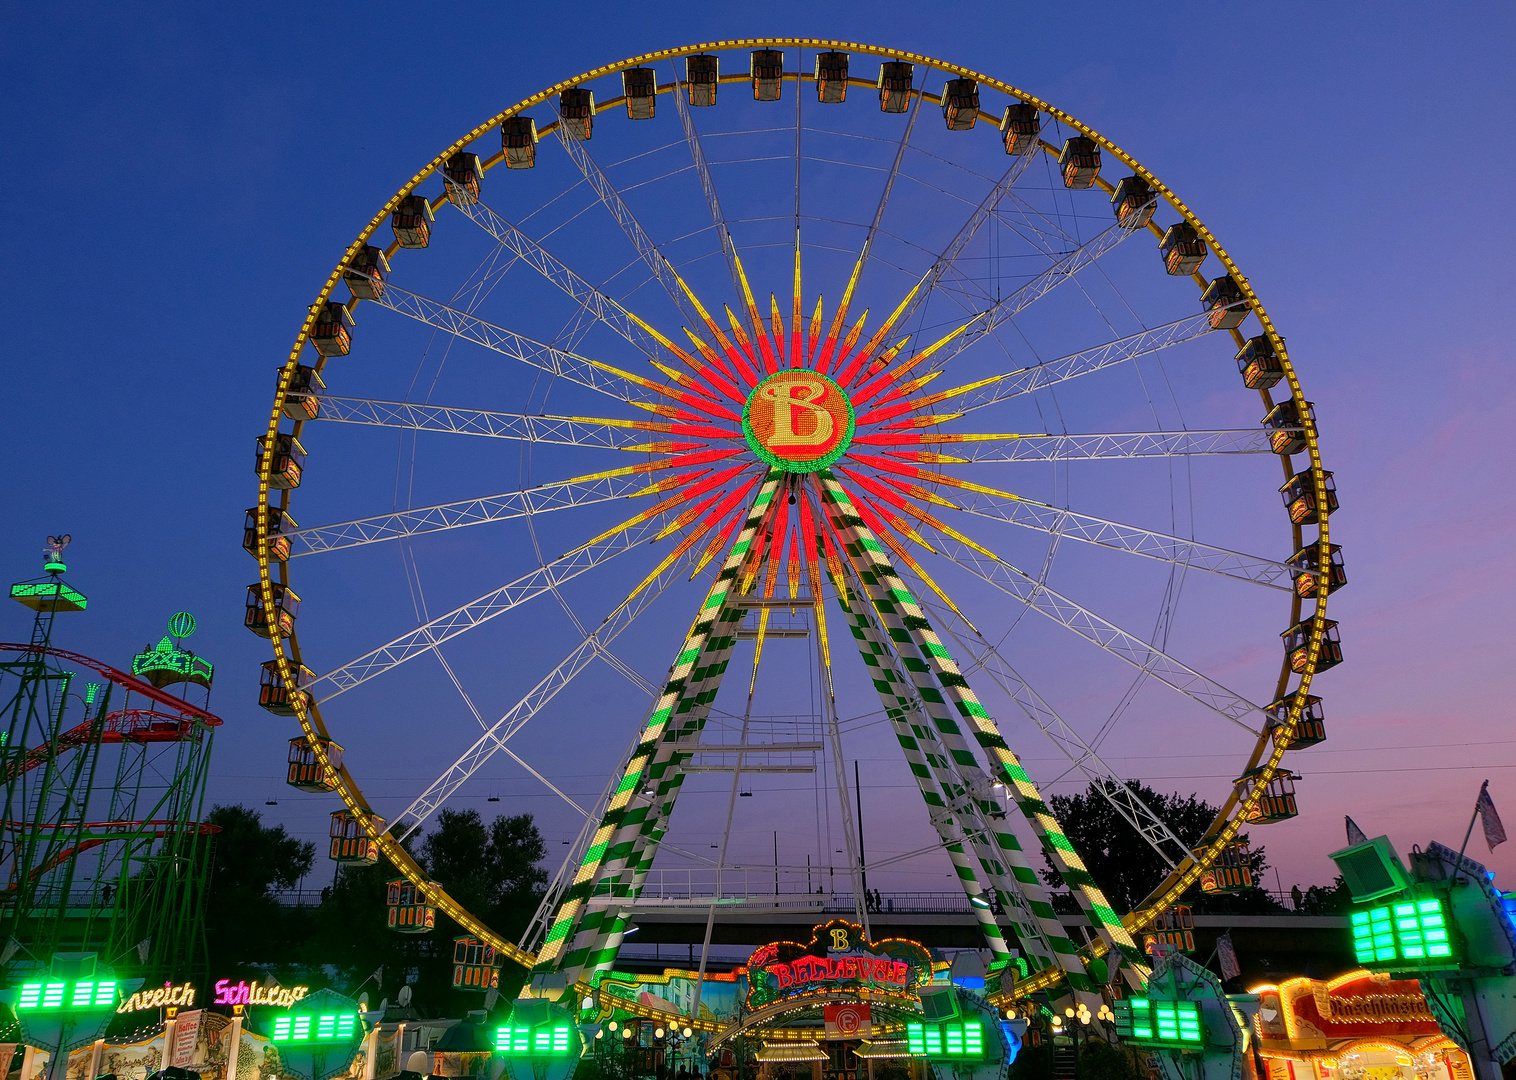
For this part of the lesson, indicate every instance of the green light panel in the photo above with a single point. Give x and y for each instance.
(55, 995)
(523, 1041)
(1415, 931)
(945, 1040)
(1170, 1023)
(97, 995)
(309, 1028)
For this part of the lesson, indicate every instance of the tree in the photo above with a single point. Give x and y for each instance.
(1125, 866)
(244, 922)
(490, 869)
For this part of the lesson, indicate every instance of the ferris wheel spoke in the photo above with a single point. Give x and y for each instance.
(890, 178)
(601, 306)
(494, 739)
(1119, 536)
(480, 511)
(988, 448)
(1069, 742)
(593, 374)
(823, 359)
(1121, 644)
(708, 186)
(475, 613)
(601, 185)
(1055, 521)
(978, 394)
(947, 262)
(1065, 268)
(596, 432)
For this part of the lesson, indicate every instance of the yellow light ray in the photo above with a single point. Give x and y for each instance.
(685, 357)
(845, 350)
(776, 326)
(636, 519)
(899, 549)
(668, 560)
(925, 421)
(815, 333)
(710, 324)
(942, 527)
(894, 350)
(795, 324)
(716, 544)
(879, 335)
(755, 318)
(771, 581)
(743, 342)
(873, 389)
(837, 320)
(813, 576)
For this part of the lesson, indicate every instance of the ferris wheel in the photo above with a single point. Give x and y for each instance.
(749, 399)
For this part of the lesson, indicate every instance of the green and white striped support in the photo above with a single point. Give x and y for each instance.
(1033, 896)
(936, 779)
(633, 876)
(578, 937)
(905, 618)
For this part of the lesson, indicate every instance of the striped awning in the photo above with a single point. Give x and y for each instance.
(883, 1048)
(803, 1051)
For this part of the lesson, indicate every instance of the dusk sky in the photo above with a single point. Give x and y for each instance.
(183, 181)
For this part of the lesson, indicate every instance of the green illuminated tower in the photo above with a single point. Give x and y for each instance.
(101, 845)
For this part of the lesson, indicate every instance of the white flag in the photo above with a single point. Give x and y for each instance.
(1227, 955)
(1494, 831)
(1355, 834)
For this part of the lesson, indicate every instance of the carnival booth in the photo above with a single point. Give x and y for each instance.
(1359, 1026)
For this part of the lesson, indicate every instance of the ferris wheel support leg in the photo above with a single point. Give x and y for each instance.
(966, 797)
(933, 777)
(895, 599)
(1081, 755)
(579, 936)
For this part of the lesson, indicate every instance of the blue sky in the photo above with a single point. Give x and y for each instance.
(183, 180)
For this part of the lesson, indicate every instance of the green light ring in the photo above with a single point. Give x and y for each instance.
(768, 457)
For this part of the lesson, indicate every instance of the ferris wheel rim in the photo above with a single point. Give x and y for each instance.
(1230, 819)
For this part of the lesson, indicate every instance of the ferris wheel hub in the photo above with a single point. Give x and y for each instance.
(798, 420)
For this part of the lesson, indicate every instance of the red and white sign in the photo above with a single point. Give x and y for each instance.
(848, 1021)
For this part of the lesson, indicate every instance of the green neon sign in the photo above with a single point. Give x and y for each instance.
(1144, 1021)
(963, 1041)
(553, 1040)
(66, 997)
(35, 594)
(170, 663)
(313, 1028)
(1412, 933)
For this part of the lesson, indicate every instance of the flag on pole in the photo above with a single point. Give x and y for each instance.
(1355, 834)
(1494, 831)
(1226, 953)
